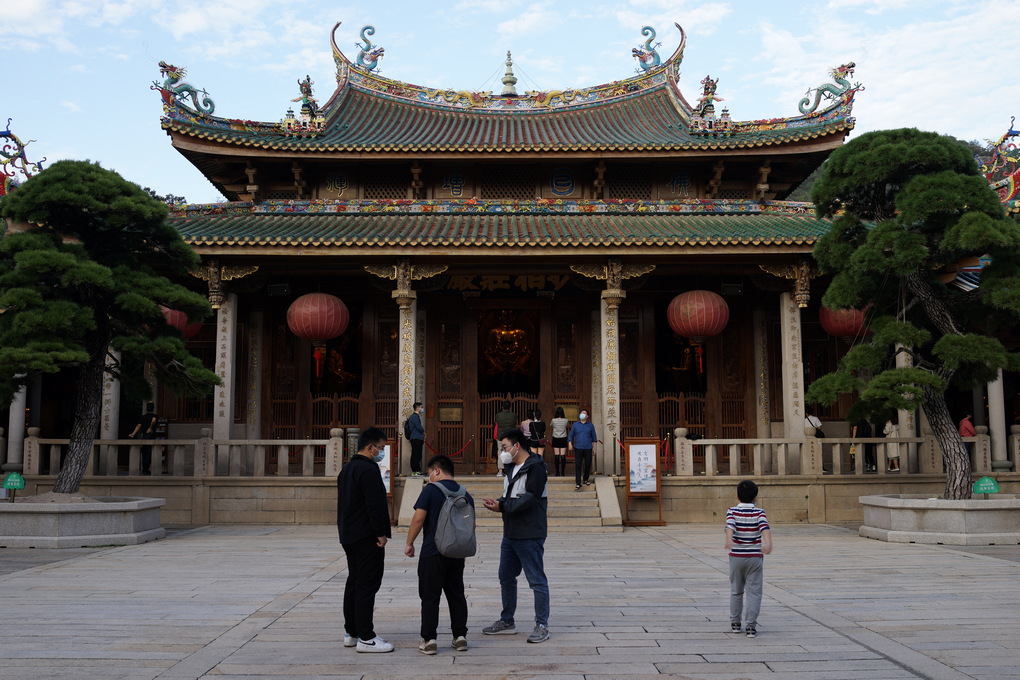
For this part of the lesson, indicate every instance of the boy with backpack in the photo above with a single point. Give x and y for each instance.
(446, 513)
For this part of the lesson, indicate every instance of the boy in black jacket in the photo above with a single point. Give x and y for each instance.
(363, 521)
(524, 505)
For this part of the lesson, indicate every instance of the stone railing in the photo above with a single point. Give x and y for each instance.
(825, 456)
(202, 457)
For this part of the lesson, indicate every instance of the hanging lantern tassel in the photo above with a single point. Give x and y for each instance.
(318, 354)
(700, 353)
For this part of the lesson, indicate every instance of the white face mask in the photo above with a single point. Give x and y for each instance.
(506, 457)
(584, 416)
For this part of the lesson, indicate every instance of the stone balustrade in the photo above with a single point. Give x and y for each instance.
(821, 456)
(202, 457)
(207, 457)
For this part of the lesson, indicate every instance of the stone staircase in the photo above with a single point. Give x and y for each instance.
(594, 509)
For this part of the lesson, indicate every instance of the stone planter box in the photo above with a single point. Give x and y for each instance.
(919, 519)
(112, 521)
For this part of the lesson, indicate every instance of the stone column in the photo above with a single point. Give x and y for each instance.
(793, 372)
(761, 385)
(253, 417)
(109, 422)
(997, 424)
(223, 411)
(610, 312)
(906, 419)
(406, 367)
(16, 432)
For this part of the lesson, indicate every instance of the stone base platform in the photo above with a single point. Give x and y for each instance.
(911, 518)
(111, 521)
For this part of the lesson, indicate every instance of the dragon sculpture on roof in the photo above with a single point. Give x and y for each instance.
(370, 55)
(648, 57)
(1002, 167)
(13, 161)
(842, 90)
(173, 88)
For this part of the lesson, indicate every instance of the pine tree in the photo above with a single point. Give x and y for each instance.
(87, 260)
(907, 206)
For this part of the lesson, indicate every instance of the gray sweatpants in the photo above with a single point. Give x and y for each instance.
(746, 576)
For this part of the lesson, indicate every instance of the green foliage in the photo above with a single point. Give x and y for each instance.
(86, 267)
(929, 209)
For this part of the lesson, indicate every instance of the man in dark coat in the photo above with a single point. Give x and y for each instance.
(363, 521)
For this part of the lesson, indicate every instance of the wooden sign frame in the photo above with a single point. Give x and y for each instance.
(644, 478)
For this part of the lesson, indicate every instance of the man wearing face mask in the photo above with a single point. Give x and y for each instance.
(524, 505)
(581, 441)
(363, 521)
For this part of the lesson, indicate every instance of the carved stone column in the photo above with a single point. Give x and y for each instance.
(16, 432)
(223, 410)
(407, 366)
(410, 347)
(610, 313)
(109, 419)
(907, 421)
(793, 370)
(761, 384)
(253, 417)
(997, 424)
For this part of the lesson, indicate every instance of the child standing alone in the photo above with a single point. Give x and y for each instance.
(748, 539)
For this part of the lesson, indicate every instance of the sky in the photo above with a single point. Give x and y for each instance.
(77, 72)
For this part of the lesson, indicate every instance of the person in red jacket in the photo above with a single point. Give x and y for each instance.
(967, 430)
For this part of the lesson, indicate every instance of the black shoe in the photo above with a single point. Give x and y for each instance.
(751, 632)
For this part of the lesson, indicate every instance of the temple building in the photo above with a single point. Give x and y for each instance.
(522, 246)
(624, 248)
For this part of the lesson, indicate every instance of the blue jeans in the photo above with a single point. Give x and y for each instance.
(516, 554)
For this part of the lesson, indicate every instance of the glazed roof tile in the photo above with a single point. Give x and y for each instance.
(370, 113)
(487, 230)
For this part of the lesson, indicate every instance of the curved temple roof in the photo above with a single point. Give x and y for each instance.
(370, 113)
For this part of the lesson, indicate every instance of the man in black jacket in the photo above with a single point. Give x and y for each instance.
(524, 506)
(363, 521)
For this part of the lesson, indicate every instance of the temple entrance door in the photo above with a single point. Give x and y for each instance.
(494, 351)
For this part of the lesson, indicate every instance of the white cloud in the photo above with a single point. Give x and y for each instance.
(73, 107)
(538, 18)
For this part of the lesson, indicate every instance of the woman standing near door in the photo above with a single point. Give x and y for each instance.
(537, 440)
(559, 426)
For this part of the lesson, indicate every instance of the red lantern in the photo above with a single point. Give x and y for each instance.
(318, 317)
(179, 320)
(698, 314)
(843, 323)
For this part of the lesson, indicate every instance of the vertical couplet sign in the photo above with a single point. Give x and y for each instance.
(386, 465)
(643, 478)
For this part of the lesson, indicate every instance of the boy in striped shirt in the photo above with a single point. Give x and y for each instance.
(748, 539)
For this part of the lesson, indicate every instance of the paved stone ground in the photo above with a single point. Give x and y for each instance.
(264, 602)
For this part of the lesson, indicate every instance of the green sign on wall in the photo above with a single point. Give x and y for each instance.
(986, 485)
(14, 481)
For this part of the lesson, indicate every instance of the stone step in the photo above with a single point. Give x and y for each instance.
(561, 523)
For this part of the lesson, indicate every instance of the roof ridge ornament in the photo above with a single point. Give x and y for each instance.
(370, 54)
(311, 121)
(1001, 168)
(509, 79)
(13, 160)
(703, 120)
(173, 90)
(842, 92)
(648, 58)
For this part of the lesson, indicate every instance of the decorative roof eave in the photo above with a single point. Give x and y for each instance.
(773, 227)
(679, 250)
(224, 144)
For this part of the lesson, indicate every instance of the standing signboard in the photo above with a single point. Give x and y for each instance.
(643, 476)
(386, 467)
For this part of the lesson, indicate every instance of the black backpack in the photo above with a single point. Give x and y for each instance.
(407, 428)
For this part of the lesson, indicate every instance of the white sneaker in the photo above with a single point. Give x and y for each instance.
(350, 641)
(460, 644)
(376, 644)
(427, 647)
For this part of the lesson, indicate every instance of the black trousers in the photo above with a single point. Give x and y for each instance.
(364, 576)
(146, 453)
(416, 447)
(582, 458)
(438, 575)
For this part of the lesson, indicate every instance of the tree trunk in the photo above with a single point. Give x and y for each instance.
(86, 424)
(954, 451)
